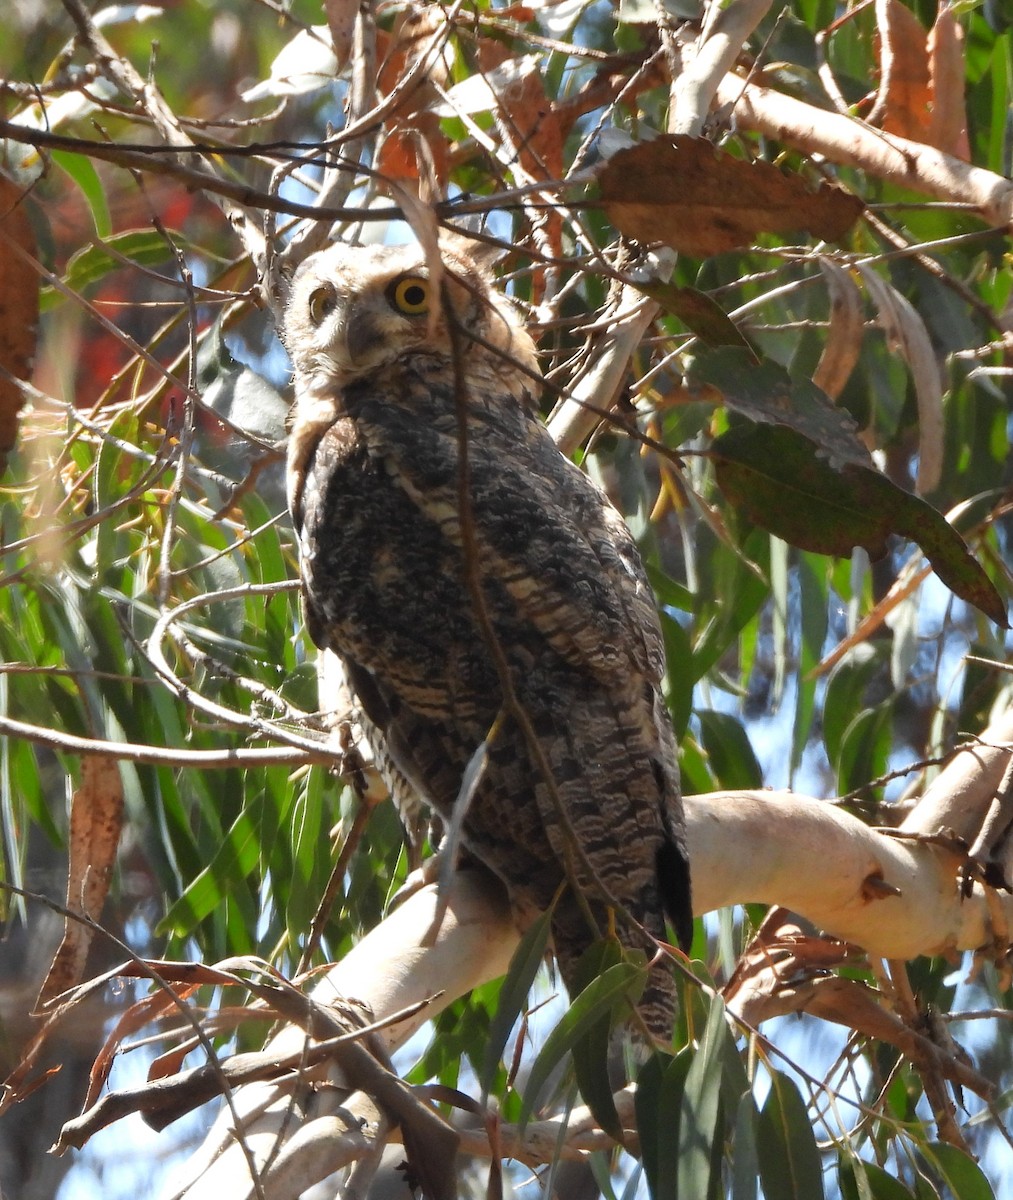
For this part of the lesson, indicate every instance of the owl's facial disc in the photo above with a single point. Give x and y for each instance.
(365, 329)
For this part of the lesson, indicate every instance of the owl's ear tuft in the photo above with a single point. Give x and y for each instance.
(484, 255)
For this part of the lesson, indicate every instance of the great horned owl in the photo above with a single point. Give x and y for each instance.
(556, 669)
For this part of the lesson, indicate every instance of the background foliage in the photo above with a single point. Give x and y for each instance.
(125, 498)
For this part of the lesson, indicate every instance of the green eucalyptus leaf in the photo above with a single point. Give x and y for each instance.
(139, 247)
(862, 1180)
(960, 1173)
(599, 999)
(729, 749)
(513, 997)
(698, 312)
(766, 394)
(786, 1145)
(701, 1128)
(660, 1087)
(745, 1161)
(82, 171)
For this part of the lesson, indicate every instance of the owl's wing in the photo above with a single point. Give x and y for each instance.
(543, 531)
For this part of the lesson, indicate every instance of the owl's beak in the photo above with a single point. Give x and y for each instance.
(359, 338)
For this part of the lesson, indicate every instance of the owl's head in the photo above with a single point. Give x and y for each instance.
(351, 310)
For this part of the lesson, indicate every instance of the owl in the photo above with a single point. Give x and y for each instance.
(487, 601)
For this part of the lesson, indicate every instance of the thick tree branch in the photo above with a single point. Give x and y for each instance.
(896, 895)
(403, 956)
(714, 52)
(850, 142)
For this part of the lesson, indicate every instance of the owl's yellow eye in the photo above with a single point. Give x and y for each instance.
(410, 295)
(322, 302)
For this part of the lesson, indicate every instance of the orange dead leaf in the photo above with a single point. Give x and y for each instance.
(143, 1012)
(412, 38)
(905, 99)
(341, 15)
(948, 126)
(843, 345)
(19, 310)
(96, 819)
(415, 149)
(921, 95)
(529, 119)
(686, 193)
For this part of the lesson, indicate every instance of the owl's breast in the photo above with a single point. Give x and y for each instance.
(382, 584)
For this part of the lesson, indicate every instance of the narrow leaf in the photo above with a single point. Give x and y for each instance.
(660, 1087)
(144, 247)
(591, 1048)
(596, 1000)
(698, 312)
(745, 1162)
(82, 171)
(96, 821)
(700, 1121)
(906, 334)
(513, 995)
(786, 1145)
(843, 343)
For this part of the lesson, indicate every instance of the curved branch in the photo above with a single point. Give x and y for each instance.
(713, 54)
(897, 895)
(403, 956)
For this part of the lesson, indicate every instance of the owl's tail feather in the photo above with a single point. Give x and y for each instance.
(658, 1004)
(676, 895)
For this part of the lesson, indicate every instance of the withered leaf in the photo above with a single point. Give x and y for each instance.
(96, 819)
(905, 96)
(686, 193)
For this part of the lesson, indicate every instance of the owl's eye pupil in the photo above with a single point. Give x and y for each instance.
(322, 302)
(410, 296)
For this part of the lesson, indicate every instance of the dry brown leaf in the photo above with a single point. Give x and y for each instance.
(529, 120)
(341, 16)
(96, 819)
(921, 93)
(145, 1011)
(843, 344)
(414, 149)
(19, 311)
(685, 192)
(948, 126)
(412, 39)
(905, 99)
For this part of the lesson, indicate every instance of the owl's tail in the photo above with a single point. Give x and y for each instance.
(658, 1003)
(676, 893)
